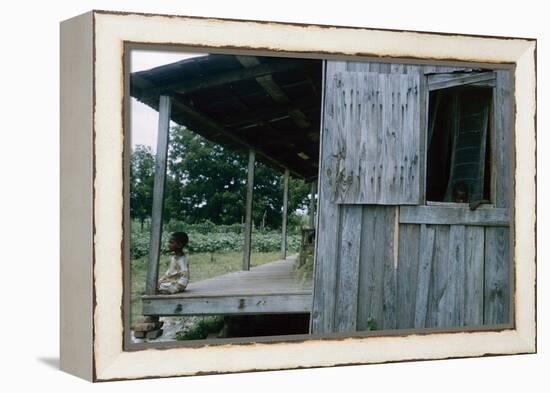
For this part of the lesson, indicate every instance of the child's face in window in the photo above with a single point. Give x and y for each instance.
(460, 193)
(172, 245)
(460, 196)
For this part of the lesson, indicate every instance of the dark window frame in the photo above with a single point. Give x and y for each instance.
(454, 81)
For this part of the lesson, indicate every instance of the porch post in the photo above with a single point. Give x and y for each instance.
(312, 205)
(285, 211)
(248, 219)
(158, 195)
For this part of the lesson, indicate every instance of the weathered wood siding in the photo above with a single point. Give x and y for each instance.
(452, 278)
(377, 273)
(400, 267)
(502, 141)
(497, 276)
(375, 151)
(418, 276)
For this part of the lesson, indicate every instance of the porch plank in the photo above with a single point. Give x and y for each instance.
(271, 288)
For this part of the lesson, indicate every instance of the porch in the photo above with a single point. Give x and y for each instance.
(272, 288)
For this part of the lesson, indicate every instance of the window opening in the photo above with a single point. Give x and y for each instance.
(458, 162)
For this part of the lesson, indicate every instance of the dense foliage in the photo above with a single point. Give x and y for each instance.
(206, 182)
(208, 237)
(142, 169)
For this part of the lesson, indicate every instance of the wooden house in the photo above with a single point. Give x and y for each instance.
(412, 165)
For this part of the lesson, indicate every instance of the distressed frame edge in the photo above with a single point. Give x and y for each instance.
(524, 276)
(76, 207)
(524, 336)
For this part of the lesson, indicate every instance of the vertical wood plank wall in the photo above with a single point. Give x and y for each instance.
(376, 145)
(373, 273)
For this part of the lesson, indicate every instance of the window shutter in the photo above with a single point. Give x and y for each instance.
(374, 121)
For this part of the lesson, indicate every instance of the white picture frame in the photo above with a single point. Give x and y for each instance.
(92, 145)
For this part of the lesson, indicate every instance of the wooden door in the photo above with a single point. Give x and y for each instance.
(385, 258)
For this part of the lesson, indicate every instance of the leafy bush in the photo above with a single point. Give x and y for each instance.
(213, 242)
(204, 228)
(208, 237)
(201, 329)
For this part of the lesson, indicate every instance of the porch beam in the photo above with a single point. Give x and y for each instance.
(158, 194)
(444, 81)
(285, 215)
(248, 304)
(200, 120)
(312, 205)
(248, 218)
(273, 89)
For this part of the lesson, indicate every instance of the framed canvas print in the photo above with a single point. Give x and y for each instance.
(242, 195)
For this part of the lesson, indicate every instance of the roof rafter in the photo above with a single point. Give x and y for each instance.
(271, 87)
(211, 125)
(188, 86)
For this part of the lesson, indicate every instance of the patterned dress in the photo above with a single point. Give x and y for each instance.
(176, 277)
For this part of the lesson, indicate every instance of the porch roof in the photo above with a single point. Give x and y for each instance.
(269, 104)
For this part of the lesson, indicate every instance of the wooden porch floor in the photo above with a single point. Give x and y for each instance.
(271, 288)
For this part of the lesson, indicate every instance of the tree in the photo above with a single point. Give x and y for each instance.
(206, 181)
(142, 170)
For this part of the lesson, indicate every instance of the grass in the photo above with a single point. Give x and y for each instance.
(201, 267)
(205, 326)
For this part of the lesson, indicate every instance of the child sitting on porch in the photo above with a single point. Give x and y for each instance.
(177, 276)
